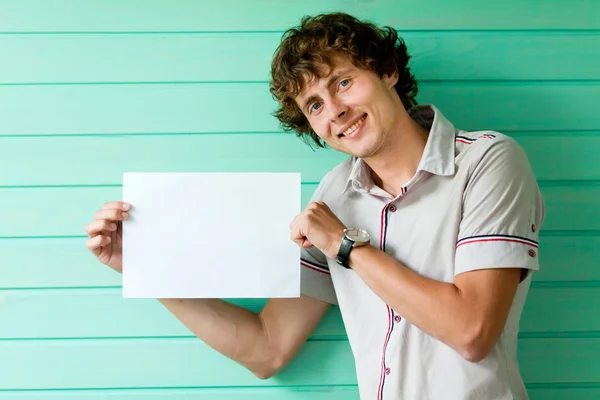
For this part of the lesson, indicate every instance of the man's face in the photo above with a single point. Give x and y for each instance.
(351, 109)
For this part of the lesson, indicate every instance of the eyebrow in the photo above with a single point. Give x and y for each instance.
(332, 78)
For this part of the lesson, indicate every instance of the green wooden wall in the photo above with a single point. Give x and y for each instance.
(89, 89)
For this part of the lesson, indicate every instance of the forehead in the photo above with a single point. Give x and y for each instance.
(324, 72)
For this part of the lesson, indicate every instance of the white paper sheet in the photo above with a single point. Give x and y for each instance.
(210, 235)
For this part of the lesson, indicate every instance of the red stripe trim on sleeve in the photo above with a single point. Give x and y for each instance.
(315, 268)
(497, 238)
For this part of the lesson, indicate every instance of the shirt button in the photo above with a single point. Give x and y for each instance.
(387, 371)
(397, 318)
(393, 208)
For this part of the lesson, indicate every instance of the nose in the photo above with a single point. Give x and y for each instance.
(338, 109)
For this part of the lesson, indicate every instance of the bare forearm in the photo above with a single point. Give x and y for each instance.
(231, 330)
(440, 309)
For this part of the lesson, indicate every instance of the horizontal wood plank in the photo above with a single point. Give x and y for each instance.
(560, 360)
(248, 107)
(93, 160)
(569, 258)
(189, 15)
(78, 313)
(328, 393)
(122, 363)
(66, 262)
(268, 393)
(102, 160)
(159, 363)
(65, 211)
(462, 55)
(70, 313)
(564, 393)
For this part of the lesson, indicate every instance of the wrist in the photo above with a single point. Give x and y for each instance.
(336, 243)
(358, 254)
(352, 239)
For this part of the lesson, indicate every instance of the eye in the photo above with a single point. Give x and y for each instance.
(315, 107)
(344, 83)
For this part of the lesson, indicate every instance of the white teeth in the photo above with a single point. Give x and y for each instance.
(353, 127)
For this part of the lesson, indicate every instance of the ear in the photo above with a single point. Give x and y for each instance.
(391, 79)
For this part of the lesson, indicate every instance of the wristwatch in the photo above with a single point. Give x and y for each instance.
(353, 237)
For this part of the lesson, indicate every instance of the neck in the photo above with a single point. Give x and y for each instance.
(398, 159)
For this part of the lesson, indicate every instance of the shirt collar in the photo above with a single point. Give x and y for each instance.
(438, 155)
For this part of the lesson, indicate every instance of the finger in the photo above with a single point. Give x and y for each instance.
(111, 214)
(303, 242)
(98, 226)
(121, 205)
(306, 244)
(95, 244)
(295, 221)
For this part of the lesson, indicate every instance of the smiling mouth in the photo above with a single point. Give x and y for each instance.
(353, 128)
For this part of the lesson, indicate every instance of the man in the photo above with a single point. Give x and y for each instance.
(432, 275)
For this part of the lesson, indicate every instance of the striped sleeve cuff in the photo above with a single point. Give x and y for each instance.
(316, 282)
(495, 251)
(314, 267)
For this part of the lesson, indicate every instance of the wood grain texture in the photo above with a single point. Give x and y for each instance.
(101, 160)
(64, 211)
(66, 262)
(267, 393)
(91, 89)
(125, 363)
(460, 55)
(187, 15)
(87, 313)
(248, 107)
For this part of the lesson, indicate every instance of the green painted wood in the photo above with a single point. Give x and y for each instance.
(572, 207)
(527, 69)
(562, 155)
(123, 363)
(574, 157)
(567, 393)
(66, 262)
(85, 313)
(570, 309)
(574, 258)
(104, 313)
(275, 393)
(463, 55)
(560, 360)
(187, 15)
(160, 363)
(71, 163)
(329, 393)
(247, 107)
(64, 211)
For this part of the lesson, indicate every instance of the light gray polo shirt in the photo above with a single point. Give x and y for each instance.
(472, 204)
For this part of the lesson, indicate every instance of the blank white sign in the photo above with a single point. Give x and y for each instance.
(210, 235)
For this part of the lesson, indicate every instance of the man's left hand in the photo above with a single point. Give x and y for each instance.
(318, 226)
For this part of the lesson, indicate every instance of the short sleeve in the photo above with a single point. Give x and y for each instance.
(503, 211)
(315, 277)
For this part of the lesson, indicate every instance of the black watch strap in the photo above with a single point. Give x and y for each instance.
(344, 252)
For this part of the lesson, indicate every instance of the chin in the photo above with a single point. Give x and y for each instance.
(366, 151)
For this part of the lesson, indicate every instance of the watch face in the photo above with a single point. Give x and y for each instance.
(358, 235)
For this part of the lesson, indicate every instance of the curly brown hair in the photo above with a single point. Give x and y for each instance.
(305, 49)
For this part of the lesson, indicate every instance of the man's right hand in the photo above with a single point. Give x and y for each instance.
(106, 234)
